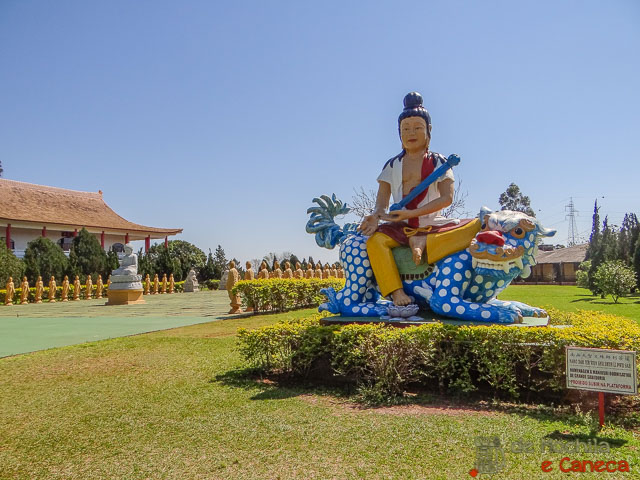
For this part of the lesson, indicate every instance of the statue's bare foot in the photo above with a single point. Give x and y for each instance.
(400, 298)
(417, 256)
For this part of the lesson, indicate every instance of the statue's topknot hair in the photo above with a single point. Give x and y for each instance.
(413, 108)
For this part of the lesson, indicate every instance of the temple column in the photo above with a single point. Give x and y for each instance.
(126, 238)
(166, 242)
(44, 232)
(75, 232)
(8, 236)
(147, 243)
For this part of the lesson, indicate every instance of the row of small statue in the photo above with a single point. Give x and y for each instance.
(159, 286)
(77, 287)
(310, 272)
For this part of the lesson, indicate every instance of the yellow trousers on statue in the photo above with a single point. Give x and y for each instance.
(383, 265)
(439, 245)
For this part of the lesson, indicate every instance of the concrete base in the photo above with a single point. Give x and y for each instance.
(124, 297)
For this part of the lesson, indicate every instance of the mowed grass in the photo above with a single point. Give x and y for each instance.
(571, 298)
(176, 405)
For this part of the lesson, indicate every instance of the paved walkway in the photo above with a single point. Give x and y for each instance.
(27, 328)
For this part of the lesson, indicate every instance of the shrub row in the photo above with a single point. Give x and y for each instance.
(276, 294)
(384, 361)
(31, 298)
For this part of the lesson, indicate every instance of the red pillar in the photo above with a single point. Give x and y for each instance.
(44, 231)
(126, 239)
(166, 242)
(75, 232)
(8, 236)
(147, 243)
(102, 239)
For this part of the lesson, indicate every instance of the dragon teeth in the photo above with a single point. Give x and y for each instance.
(474, 262)
(518, 262)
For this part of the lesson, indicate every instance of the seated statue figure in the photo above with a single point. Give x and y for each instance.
(419, 258)
(128, 263)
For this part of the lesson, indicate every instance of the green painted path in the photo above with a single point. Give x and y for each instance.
(27, 328)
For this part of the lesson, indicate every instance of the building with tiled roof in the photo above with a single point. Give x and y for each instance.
(559, 265)
(28, 211)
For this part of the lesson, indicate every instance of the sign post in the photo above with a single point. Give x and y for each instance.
(603, 371)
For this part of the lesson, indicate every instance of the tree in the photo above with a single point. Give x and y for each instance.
(178, 258)
(11, 266)
(636, 259)
(615, 278)
(627, 237)
(209, 270)
(1, 170)
(513, 199)
(44, 258)
(145, 266)
(87, 256)
(220, 261)
(594, 252)
(582, 274)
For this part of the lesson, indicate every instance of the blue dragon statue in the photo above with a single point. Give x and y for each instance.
(463, 285)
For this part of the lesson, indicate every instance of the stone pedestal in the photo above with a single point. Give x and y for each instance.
(125, 290)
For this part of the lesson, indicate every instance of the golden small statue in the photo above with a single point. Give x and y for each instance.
(277, 273)
(164, 283)
(52, 289)
(172, 283)
(108, 282)
(288, 273)
(263, 273)
(248, 273)
(318, 271)
(333, 272)
(99, 287)
(232, 279)
(24, 291)
(309, 272)
(340, 273)
(147, 285)
(11, 290)
(65, 289)
(298, 273)
(76, 288)
(326, 271)
(156, 283)
(39, 290)
(89, 288)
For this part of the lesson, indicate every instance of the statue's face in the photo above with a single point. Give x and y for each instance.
(414, 134)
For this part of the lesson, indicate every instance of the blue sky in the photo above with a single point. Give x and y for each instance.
(227, 118)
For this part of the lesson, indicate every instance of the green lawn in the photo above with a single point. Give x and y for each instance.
(177, 404)
(174, 404)
(571, 299)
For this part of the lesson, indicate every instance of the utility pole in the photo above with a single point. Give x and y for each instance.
(573, 230)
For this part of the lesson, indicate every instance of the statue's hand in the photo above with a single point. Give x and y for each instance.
(368, 225)
(396, 216)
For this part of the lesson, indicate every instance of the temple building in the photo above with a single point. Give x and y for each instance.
(28, 211)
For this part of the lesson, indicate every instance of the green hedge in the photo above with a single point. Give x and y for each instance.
(384, 360)
(279, 295)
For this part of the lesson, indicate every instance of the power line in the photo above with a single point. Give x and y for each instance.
(572, 236)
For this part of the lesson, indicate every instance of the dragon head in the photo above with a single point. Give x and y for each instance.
(507, 244)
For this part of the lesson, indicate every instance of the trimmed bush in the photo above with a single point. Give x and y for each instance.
(384, 361)
(280, 295)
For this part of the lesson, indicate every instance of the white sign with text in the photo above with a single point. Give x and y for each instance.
(601, 370)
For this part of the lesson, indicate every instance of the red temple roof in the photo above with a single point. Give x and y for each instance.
(27, 202)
